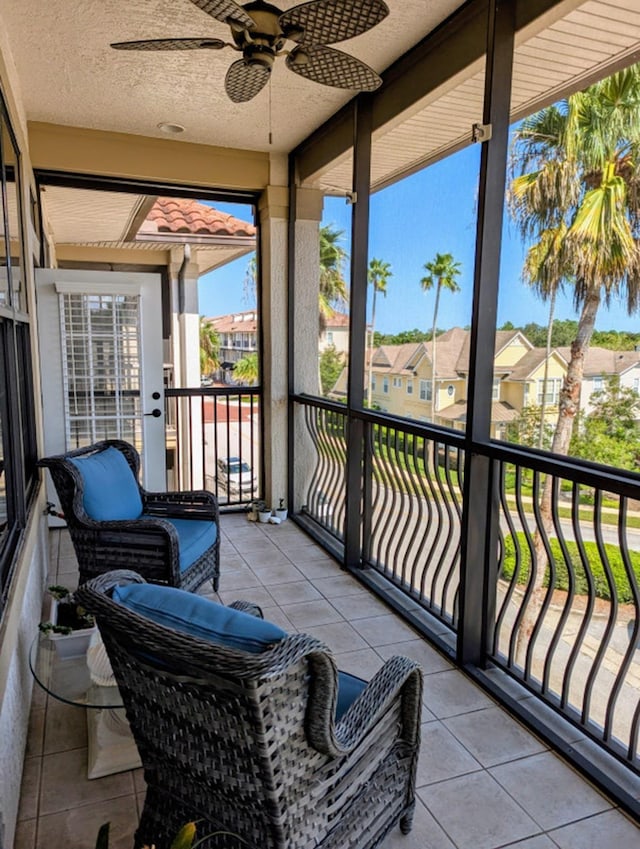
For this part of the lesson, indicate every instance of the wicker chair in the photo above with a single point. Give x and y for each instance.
(248, 744)
(168, 537)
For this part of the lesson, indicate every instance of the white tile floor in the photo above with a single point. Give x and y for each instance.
(484, 781)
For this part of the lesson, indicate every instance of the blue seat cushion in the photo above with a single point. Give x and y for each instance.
(110, 490)
(196, 536)
(198, 616)
(349, 688)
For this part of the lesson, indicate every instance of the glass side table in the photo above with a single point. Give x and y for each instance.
(110, 745)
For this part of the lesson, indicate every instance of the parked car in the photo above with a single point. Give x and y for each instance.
(236, 475)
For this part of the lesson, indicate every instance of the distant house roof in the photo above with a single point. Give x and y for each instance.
(337, 319)
(395, 358)
(528, 363)
(500, 412)
(503, 338)
(182, 215)
(603, 361)
(240, 322)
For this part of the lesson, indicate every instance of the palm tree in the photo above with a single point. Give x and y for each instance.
(246, 370)
(545, 270)
(379, 273)
(441, 273)
(579, 177)
(209, 347)
(333, 287)
(581, 174)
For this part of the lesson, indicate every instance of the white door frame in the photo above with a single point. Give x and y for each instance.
(49, 284)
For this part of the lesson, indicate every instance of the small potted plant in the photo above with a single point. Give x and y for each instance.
(71, 627)
(264, 512)
(281, 510)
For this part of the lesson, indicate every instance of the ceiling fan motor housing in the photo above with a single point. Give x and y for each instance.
(265, 39)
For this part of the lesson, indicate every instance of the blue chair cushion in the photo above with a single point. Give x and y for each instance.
(208, 620)
(196, 536)
(110, 490)
(349, 688)
(198, 616)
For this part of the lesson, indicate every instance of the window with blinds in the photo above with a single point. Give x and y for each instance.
(102, 369)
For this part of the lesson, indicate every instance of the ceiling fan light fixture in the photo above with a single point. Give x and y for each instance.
(259, 54)
(170, 129)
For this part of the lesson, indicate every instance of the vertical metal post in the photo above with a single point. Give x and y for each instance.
(357, 324)
(291, 307)
(480, 510)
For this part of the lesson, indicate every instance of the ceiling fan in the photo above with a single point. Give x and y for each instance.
(261, 31)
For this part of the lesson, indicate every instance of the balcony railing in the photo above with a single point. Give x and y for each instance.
(568, 602)
(206, 427)
(564, 615)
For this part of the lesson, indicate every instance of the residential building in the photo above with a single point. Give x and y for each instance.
(600, 364)
(335, 332)
(403, 381)
(238, 333)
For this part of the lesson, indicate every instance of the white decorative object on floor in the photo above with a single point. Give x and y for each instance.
(98, 662)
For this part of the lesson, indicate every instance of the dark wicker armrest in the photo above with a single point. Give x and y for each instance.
(247, 607)
(399, 680)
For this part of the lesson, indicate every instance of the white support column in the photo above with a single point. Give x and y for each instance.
(273, 211)
(306, 330)
(186, 348)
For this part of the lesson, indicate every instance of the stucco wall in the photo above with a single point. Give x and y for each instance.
(22, 611)
(16, 683)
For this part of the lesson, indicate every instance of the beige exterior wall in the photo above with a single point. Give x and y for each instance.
(443, 398)
(512, 392)
(557, 371)
(337, 336)
(84, 151)
(513, 352)
(393, 401)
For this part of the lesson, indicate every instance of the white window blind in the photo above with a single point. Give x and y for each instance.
(101, 367)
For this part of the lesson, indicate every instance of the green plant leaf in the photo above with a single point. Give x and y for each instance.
(185, 837)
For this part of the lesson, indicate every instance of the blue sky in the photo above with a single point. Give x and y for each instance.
(430, 212)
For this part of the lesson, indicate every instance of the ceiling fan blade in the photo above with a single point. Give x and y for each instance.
(327, 21)
(244, 81)
(226, 11)
(171, 44)
(332, 67)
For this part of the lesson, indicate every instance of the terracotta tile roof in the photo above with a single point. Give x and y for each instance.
(337, 319)
(180, 215)
(243, 322)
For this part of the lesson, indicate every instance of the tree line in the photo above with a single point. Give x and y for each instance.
(564, 332)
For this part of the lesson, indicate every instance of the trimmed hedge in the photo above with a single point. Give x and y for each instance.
(596, 568)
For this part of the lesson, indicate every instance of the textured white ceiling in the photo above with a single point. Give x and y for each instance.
(69, 75)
